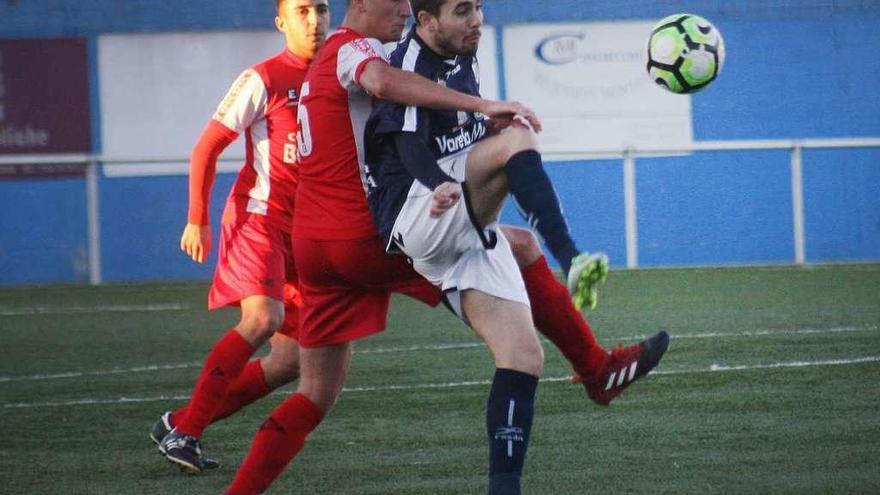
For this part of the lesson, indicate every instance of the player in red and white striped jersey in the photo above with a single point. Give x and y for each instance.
(255, 268)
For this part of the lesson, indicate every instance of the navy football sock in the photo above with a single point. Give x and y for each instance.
(509, 413)
(534, 194)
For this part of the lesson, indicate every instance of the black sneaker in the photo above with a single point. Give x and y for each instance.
(162, 427)
(186, 452)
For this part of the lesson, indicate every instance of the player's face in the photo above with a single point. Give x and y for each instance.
(457, 30)
(304, 24)
(386, 18)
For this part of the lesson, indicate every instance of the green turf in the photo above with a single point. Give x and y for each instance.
(756, 424)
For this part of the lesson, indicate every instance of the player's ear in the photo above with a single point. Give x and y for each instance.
(279, 23)
(426, 20)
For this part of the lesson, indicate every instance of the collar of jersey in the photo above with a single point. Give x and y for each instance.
(293, 60)
(347, 29)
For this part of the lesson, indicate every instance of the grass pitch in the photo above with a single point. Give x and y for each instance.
(771, 385)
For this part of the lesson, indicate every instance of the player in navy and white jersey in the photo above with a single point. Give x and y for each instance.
(437, 181)
(446, 133)
(470, 260)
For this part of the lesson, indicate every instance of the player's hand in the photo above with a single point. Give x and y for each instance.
(444, 197)
(498, 124)
(511, 110)
(196, 241)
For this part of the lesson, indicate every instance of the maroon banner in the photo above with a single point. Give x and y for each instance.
(44, 96)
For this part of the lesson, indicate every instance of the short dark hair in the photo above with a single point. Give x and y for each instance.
(430, 6)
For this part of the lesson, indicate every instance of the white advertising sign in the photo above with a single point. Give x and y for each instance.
(157, 92)
(587, 83)
(487, 57)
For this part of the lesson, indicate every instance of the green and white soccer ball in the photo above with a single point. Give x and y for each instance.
(685, 53)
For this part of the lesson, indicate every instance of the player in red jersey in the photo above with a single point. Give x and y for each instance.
(344, 276)
(255, 268)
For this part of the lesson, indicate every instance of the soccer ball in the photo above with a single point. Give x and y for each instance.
(685, 53)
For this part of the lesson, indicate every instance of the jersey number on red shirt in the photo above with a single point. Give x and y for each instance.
(303, 133)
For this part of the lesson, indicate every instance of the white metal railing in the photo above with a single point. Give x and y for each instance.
(629, 156)
(91, 163)
(796, 147)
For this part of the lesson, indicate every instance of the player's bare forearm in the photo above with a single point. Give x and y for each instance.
(407, 88)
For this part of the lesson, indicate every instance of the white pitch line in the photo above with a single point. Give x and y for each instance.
(418, 348)
(164, 367)
(69, 310)
(715, 368)
(412, 348)
(78, 374)
(765, 333)
(91, 402)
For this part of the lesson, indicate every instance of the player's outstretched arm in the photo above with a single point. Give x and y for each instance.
(196, 238)
(390, 83)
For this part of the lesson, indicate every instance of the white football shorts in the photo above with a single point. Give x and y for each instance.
(453, 251)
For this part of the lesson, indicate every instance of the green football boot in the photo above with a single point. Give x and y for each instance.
(588, 270)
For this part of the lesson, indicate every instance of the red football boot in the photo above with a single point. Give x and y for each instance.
(626, 365)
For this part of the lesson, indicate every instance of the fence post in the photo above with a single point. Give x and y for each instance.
(94, 221)
(629, 199)
(797, 202)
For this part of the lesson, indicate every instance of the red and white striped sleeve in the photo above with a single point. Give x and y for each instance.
(352, 58)
(244, 104)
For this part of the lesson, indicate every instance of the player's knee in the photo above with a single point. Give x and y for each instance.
(526, 356)
(532, 358)
(525, 246)
(519, 139)
(529, 360)
(261, 324)
(320, 394)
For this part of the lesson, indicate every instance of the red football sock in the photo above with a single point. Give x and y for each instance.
(277, 442)
(558, 320)
(250, 386)
(222, 368)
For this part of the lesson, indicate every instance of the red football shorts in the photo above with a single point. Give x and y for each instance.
(256, 259)
(346, 289)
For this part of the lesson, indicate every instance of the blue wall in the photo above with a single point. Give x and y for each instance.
(53, 18)
(803, 69)
(707, 209)
(842, 190)
(141, 238)
(43, 236)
